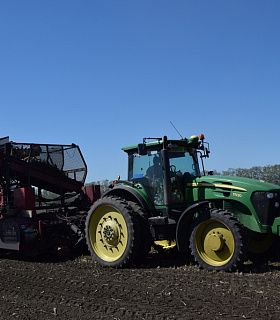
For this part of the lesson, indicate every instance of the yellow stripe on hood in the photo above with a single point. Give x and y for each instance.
(217, 185)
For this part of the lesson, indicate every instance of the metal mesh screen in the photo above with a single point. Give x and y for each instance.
(66, 159)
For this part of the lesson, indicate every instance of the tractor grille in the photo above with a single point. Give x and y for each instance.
(266, 206)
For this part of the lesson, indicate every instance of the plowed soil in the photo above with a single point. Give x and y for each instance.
(166, 286)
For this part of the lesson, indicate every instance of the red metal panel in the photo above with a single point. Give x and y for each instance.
(1, 198)
(92, 192)
(25, 198)
(42, 178)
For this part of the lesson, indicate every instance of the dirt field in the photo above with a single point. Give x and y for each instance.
(166, 286)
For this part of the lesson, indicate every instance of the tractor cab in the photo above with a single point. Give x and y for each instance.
(163, 167)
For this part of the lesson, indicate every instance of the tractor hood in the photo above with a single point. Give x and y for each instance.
(234, 184)
(256, 203)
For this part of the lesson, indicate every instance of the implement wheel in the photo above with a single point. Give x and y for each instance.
(218, 241)
(113, 232)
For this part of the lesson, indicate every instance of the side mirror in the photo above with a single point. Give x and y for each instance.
(142, 149)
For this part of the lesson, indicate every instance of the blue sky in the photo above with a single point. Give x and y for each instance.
(104, 74)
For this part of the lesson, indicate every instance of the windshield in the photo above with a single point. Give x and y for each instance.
(183, 167)
(184, 162)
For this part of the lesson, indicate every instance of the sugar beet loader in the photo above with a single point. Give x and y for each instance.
(166, 201)
(43, 200)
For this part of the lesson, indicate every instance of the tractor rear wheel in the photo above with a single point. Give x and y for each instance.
(218, 241)
(113, 232)
(146, 237)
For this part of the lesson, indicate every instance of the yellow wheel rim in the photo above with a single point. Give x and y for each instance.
(214, 242)
(108, 233)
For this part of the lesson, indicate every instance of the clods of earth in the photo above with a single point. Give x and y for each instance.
(166, 286)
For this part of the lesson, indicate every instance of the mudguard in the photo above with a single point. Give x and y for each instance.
(184, 224)
(128, 193)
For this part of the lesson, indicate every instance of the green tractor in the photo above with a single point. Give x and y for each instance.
(166, 201)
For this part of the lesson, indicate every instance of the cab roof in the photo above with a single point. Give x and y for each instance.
(192, 142)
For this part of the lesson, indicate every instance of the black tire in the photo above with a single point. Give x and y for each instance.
(262, 247)
(145, 237)
(218, 241)
(112, 232)
(260, 243)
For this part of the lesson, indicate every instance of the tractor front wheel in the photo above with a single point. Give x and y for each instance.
(218, 241)
(113, 232)
(260, 243)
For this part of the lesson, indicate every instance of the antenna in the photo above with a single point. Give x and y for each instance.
(177, 130)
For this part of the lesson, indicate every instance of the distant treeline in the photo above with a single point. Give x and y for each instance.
(268, 173)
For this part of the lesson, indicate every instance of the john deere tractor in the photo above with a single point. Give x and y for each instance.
(167, 200)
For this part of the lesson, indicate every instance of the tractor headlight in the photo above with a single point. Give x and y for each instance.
(269, 195)
(276, 204)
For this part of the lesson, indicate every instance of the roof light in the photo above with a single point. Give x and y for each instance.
(201, 137)
(193, 138)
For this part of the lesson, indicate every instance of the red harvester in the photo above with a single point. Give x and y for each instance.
(43, 199)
